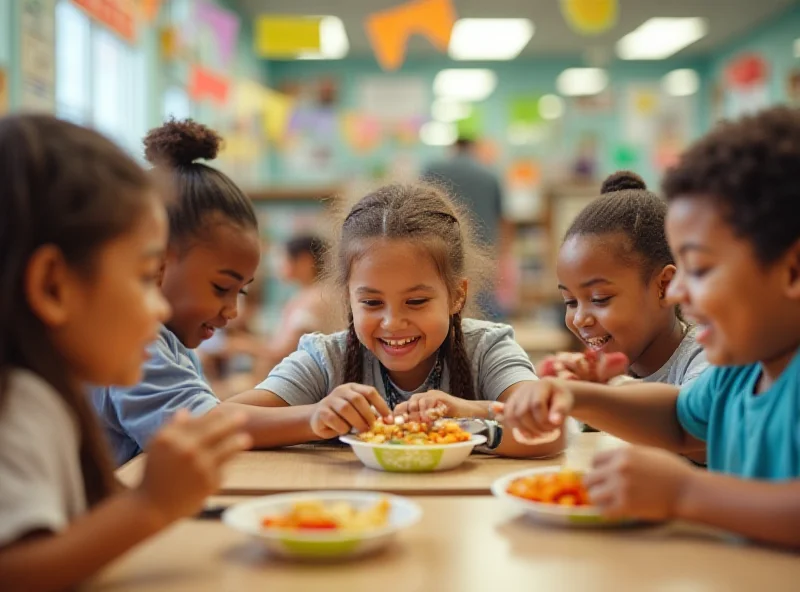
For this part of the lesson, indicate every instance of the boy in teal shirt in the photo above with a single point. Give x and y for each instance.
(734, 228)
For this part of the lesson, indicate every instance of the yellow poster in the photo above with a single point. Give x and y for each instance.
(590, 16)
(3, 92)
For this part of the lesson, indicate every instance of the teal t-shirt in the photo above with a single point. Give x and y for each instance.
(748, 435)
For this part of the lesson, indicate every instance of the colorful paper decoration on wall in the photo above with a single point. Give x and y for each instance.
(389, 30)
(206, 85)
(471, 127)
(3, 92)
(119, 16)
(148, 10)
(360, 132)
(277, 113)
(590, 17)
(223, 23)
(746, 85)
(287, 36)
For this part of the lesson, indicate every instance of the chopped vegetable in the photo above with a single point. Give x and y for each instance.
(564, 488)
(418, 433)
(316, 515)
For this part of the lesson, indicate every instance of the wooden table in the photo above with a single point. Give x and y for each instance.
(462, 544)
(326, 467)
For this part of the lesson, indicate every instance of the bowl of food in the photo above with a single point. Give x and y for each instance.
(323, 524)
(414, 447)
(552, 496)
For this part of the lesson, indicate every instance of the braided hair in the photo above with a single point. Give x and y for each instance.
(425, 214)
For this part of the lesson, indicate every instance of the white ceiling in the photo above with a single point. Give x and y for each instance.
(727, 19)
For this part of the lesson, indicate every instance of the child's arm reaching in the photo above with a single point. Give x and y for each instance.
(183, 467)
(652, 484)
(642, 413)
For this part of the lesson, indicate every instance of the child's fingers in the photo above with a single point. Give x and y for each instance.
(374, 399)
(612, 365)
(364, 409)
(346, 411)
(560, 406)
(332, 421)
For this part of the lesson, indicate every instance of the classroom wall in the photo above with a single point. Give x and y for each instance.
(515, 79)
(774, 41)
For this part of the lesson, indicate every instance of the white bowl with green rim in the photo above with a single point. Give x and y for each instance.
(571, 516)
(413, 458)
(247, 517)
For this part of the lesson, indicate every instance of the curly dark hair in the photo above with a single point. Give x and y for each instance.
(202, 191)
(627, 207)
(748, 167)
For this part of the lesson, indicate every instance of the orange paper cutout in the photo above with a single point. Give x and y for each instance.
(204, 84)
(389, 30)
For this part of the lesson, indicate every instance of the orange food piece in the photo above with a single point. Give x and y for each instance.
(564, 488)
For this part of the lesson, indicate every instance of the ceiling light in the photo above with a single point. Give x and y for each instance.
(659, 38)
(551, 107)
(333, 42)
(578, 82)
(437, 133)
(447, 110)
(465, 84)
(681, 83)
(489, 39)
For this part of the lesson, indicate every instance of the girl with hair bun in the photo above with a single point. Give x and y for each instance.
(614, 268)
(211, 258)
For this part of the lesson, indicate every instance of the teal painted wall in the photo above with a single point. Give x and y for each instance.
(514, 79)
(774, 41)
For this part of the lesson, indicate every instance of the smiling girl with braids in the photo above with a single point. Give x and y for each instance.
(406, 263)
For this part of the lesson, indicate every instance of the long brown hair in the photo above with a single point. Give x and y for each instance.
(69, 187)
(426, 215)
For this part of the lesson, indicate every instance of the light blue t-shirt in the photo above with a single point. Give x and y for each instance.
(172, 379)
(748, 435)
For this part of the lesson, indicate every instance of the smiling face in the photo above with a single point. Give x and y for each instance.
(401, 308)
(746, 311)
(610, 307)
(204, 280)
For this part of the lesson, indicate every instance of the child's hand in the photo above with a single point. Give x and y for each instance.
(184, 461)
(348, 407)
(426, 407)
(638, 482)
(537, 409)
(588, 366)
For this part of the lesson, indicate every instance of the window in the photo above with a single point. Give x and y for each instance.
(100, 79)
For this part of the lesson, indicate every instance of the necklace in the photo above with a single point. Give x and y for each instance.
(433, 382)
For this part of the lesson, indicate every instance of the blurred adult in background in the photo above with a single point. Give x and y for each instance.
(478, 188)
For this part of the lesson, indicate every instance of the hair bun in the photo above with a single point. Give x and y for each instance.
(180, 143)
(622, 180)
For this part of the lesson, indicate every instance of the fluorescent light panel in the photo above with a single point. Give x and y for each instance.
(438, 133)
(333, 41)
(465, 84)
(580, 82)
(448, 111)
(489, 39)
(681, 83)
(659, 38)
(551, 107)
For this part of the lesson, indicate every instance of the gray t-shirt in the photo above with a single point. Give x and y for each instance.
(41, 487)
(317, 367)
(686, 363)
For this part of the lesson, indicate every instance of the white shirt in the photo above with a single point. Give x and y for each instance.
(41, 484)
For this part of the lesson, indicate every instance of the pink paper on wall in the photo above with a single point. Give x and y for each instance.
(225, 25)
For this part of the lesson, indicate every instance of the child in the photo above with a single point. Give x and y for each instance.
(81, 239)
(213, 252)
(406, 264)
(734, 228)
(614, 270)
